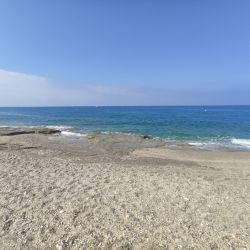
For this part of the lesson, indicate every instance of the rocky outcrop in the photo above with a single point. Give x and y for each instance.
(10, 131)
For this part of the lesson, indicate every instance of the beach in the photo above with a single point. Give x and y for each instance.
(114, 191)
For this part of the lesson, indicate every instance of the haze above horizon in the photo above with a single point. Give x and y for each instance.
(98, 53)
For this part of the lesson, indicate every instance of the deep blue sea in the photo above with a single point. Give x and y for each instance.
(200, 126)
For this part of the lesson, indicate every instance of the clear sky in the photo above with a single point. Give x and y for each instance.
(124, 52)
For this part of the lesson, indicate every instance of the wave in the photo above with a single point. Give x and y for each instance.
(19, 126)
(242, 142)
(59, 127)
(196, 143)
(210, 145)
(228, 144)
(117, 133)
(72, 134)
(66, 131)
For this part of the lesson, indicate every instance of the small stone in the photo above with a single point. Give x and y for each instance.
(5, 217)
(145, 137)
(214, 246)
(59, 247)
(7, 225)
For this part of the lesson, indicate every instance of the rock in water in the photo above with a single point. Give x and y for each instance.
(47, 131)
(9, 131)
(146, 137)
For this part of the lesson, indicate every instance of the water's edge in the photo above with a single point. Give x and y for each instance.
(67, 132)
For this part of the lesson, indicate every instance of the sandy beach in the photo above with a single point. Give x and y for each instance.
(120, 192)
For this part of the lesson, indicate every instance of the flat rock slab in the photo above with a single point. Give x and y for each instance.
(10, 131)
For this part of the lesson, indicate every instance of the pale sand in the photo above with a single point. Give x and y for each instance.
(121, 192)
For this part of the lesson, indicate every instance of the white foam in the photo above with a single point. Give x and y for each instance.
(241, 142)
(19, 126)
(61, 128)
(196, 143)
(210, 145)
(116, 133)
(72, 134)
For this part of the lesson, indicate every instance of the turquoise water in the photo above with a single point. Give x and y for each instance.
(198, 125)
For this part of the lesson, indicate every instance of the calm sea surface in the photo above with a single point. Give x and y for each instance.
(201, 126)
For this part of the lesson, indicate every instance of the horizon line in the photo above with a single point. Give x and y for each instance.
(98, 106)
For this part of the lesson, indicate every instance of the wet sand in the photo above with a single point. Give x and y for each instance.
(120, 192)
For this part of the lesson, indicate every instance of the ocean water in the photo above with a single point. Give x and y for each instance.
(210, 127)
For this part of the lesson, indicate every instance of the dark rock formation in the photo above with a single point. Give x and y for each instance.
(9, 131)
(145, 137)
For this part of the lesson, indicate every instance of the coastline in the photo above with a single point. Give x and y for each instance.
(117, 191)
(231, 144)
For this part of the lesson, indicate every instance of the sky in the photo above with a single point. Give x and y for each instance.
(116, 52)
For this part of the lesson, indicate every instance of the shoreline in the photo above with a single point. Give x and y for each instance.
(215, 145)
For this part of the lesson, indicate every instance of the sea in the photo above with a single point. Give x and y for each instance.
(203, 127)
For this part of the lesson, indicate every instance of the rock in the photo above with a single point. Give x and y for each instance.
(7, 225)
(214, 245)
(47, 131)
(91, 137)
(8, 131)
(145, 137)
(5, 217)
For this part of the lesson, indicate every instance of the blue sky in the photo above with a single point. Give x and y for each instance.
(118, 52)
